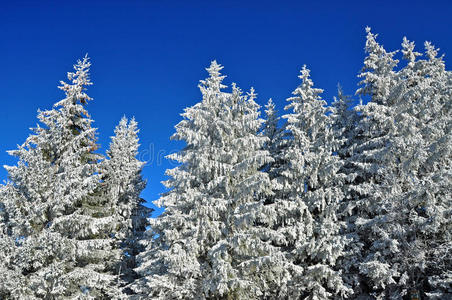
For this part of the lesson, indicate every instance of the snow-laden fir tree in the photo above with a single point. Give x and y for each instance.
(302, 216)
(270, 127)
(399, 215)
(421, 146)
(208, 243)
(256, 266)
(272, 132)
(60, 222)
(366, 164)
(343, 119)
(123, 184)
(436, 186)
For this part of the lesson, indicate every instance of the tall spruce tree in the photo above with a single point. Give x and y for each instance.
(344, 119)
(368, 162)
(123, 184)
(61, 224)
(272, 132)
(422, 200)
(308, 191)
(207, 244)
(394, 212)
(270, 128)
(436, 187)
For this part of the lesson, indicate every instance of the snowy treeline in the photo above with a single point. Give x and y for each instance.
(335, 201)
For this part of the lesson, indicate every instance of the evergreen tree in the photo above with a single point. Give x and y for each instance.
(270, 128)
(274, 145)
(303, 214)
(421, 148)
(435, 189)
(367, 163)
(206, 244)
(343, 119)
(391, 199)
(61, 225)
(123, 184)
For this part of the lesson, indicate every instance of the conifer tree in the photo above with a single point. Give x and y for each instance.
(205, 244)
(123, 184)
(303, 214)
(343, 119)
(273, 132)
(421, 200)
(390, 208)
(62, 225)
(434, 194)
(367, 162)
(270, 128)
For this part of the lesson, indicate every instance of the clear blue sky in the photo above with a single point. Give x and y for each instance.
(148, 56)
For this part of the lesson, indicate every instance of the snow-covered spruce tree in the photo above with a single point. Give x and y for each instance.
(436, 187)
(60, 222)
(256, 267)
(368, 161)
(391, 199)
(270, 127)
(302, 216)
(123, 184)
(275, 143)
(421, 204)
(207, 243)
(343, 119)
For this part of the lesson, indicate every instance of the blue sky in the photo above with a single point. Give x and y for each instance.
(148, 56)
